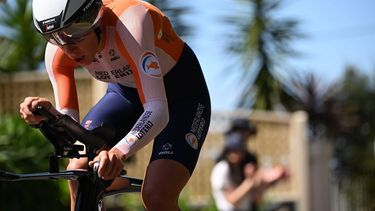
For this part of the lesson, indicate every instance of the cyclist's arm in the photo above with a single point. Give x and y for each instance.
(60, 70)
(136, 32)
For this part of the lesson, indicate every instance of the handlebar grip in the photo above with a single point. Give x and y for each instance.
(40, 110)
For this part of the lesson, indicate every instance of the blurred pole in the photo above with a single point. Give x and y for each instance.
(320, 175)
(299, 149)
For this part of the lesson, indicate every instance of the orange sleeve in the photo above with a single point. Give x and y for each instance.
(61, 72)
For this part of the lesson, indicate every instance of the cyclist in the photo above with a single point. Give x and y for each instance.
(156, 88)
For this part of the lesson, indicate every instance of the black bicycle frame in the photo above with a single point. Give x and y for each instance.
(63, 132)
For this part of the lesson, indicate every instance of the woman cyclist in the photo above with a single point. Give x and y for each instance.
(156, 88)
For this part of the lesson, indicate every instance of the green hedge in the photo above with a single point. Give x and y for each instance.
(25, 150)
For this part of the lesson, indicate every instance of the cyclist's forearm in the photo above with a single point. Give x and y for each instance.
(70, 112)
(152, 122)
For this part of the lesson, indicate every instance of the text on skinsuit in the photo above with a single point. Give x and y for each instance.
(166, 149)
(113, 55)
(143, 125)
(198, 122)
(144, 130)
(122, 72)
(102, 75)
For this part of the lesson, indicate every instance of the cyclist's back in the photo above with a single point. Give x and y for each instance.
(124, 23)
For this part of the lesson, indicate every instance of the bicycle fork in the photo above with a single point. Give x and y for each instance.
(89, 195)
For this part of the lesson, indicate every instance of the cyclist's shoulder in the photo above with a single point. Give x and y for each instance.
(55, 57)
(120, 5)
(114, 9)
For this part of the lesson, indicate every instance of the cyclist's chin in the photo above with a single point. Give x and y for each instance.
(83, 60)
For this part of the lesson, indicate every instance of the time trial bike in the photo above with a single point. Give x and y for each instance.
(63, 133)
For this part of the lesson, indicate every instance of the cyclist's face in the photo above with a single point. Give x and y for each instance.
(84, 51)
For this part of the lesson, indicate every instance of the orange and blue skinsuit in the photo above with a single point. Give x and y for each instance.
(156, 86)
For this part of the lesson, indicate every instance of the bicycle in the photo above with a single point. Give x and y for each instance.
(63, 132)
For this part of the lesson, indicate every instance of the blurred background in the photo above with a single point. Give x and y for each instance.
(302, 71)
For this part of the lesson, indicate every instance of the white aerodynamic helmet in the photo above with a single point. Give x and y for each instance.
(66, 21)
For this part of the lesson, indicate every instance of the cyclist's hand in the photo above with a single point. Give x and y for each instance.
(111, 163)
(29, 105)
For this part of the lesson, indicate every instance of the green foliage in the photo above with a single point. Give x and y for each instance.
(344, 113)
(21, 47)
(261, 42)
(133, 202)
(319, 100)
(211, 206)
(354, 148)
(185, 203)
(24, 150)
(357, 124)
(124, 202)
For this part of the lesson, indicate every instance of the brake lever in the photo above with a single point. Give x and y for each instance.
(104, 183)
(96, 167)
(101, 182)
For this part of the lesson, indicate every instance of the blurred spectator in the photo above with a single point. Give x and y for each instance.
(236, 180)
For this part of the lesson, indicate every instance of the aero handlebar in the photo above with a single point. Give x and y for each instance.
(72, 128)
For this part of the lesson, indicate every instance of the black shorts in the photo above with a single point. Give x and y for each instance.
(189, 112)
